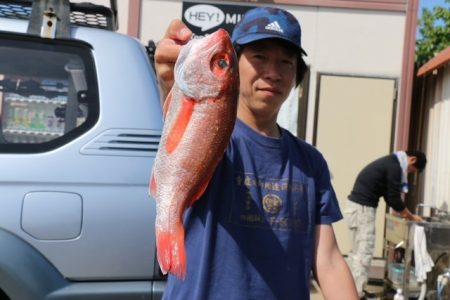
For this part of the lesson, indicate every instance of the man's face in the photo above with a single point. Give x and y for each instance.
(267, 71)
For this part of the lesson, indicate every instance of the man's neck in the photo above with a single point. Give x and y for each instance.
(265, 127)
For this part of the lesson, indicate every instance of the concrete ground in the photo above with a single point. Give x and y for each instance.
(316, 295)
(315, 291)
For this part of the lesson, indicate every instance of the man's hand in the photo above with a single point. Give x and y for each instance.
(166, 54)
(410, 216)
(416, 218)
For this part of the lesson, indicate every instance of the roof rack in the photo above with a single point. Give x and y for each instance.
(81, 14)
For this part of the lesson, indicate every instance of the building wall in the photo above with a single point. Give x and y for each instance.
(366, 38)
(436, 96)
(352, 42)
(337, 40)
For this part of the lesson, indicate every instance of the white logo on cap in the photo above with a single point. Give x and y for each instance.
(274, 26)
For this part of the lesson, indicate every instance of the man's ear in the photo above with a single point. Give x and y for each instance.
(412, 160)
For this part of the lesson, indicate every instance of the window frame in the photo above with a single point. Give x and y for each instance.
(70, 46)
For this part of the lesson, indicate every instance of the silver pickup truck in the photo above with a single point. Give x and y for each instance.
(80, 123)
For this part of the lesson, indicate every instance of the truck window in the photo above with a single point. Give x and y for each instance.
(48, 92)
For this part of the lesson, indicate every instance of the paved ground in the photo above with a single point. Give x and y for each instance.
(315, 292)
(316, 295)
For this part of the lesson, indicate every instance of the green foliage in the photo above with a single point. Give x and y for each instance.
(434, 32)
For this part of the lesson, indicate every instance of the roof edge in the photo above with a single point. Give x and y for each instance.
(440, 59)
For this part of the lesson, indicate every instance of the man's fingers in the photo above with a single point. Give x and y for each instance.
(168, 48)
(178, 31)
(166, 54)
(165, 73)
(167, 51)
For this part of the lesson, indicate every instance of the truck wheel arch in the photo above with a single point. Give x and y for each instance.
(24, 272)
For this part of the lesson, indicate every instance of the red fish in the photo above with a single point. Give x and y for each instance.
(199, 116)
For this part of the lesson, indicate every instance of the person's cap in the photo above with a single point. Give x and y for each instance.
(268, 22)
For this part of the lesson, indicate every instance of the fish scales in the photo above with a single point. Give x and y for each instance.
(200, 112)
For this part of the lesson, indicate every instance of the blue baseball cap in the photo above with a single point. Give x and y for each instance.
(268, 22)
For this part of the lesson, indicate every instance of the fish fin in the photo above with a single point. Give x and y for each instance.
(153, 186)
(180, 124)
(171, 252)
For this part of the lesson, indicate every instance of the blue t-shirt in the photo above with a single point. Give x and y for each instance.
(251, 235)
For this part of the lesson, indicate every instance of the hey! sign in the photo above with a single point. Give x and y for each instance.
(203, 18)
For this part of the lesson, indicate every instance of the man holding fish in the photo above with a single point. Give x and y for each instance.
(257, 219)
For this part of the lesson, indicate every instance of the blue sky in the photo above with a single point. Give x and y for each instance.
(429, 4)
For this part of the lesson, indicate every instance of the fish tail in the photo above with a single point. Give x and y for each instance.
(171, 252)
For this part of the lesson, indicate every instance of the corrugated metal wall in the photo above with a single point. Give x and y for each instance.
(437, 137)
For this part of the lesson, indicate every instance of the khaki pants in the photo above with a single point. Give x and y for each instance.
(361, 222)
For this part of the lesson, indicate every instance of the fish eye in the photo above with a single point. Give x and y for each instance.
(220, 64)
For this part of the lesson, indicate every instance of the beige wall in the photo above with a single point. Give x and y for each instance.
(153, 25)
(341, 41)
(354, 42)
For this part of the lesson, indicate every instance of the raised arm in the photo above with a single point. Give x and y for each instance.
(166, 54)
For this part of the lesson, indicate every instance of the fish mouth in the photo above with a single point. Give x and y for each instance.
(221, 33)
(220, 38)
(210, 62)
